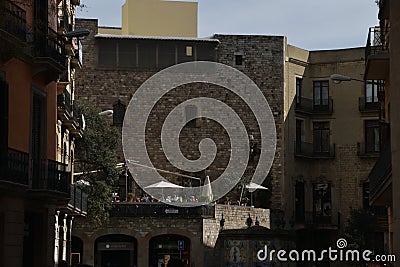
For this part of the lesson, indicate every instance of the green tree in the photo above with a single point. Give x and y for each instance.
(96, 158)
(360, 228)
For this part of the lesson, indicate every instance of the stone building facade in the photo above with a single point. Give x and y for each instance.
(325, 131)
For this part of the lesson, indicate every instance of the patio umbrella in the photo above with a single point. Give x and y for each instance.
(253, 187)
(207, 190)
(162, 185)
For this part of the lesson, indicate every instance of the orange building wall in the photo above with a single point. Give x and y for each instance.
(18, 75)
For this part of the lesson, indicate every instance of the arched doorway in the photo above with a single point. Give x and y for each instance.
(115, 251)
(169, 248)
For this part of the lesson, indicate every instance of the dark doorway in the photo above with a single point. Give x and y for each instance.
(76, 250)
(116, 251)
(169, 248)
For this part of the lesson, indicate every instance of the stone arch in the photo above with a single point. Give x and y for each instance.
(115, 250)
(169, 248)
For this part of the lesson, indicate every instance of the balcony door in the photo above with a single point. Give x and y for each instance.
(3, 120)
(321, 133)
(38, 138)
(321, 94)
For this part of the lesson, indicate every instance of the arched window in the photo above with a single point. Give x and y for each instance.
(119, 113)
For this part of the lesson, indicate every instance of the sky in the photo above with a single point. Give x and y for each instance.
(308, 24)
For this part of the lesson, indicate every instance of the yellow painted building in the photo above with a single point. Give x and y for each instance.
(159, 18)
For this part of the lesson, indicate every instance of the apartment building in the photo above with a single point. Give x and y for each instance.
(38, 129)
(382, 63)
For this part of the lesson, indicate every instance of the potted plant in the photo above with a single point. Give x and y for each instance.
(245, 200)
(130, 197)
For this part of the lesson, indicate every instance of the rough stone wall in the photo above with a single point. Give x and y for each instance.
(235, 218)
(263, 63)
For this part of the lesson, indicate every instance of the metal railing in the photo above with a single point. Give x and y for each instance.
(377, 41)
(52, 176)
(307, 105)
(64, 102)
(14, 167)
(312, 218)
(78, 199)
(311, 150)
(13, 19)
(382, 171)
(367, 106)
(49, 44)
(154, 209)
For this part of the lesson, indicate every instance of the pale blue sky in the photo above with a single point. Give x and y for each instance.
(309, 24)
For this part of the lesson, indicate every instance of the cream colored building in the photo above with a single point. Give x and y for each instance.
(159, 18)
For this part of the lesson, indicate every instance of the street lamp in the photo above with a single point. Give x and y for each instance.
(338, 78)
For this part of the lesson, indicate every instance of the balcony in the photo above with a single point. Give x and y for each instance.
(69, 113)
(310, 150)
(306, 105)
(14, 167)
(380, 179)
(157, 209)
(12, 21)
(51, 176)
(328, 222)
(367, 150)
(377, 54)
(48, 52)
(78, 201)
(365, 106)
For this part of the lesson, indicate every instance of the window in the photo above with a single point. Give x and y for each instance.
(191, 114)
(372, 136)
(147, 55)
(299, 82)
(299, 130)
(238, 59)
(107, 54)
(118, 113)
(372, 87)
(321, 93)
(322, 203)
(185, 53)
(321, 132)
(126, 54)
(189, 51)
(299, 201)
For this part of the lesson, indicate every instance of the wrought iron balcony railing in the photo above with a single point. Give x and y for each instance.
(49, 44)
(51, 176)
(156, 209)
(312, 218)
(64, 102)
(381, 173)
(13, 19)
(313, 150)
(365, 106)
(377, 41)
(78, 201)
(307, 105)
(15, 167)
